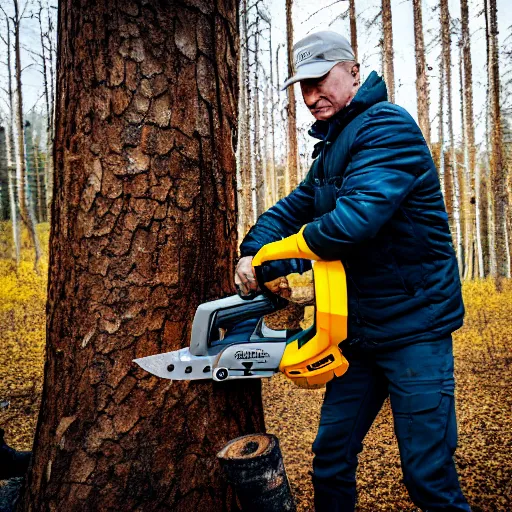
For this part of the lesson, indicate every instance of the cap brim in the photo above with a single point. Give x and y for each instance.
(308, 71)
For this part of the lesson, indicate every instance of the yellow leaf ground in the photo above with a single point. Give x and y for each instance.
(483, 371)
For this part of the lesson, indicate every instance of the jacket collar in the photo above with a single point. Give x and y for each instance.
(372, 91)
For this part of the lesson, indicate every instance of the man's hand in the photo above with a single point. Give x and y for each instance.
(245, 277)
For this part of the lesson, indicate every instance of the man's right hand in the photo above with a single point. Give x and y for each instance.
(245, 277)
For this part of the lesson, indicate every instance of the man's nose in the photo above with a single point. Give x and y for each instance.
(310, 95)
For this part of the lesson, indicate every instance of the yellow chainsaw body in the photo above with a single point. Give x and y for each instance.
(313, 357)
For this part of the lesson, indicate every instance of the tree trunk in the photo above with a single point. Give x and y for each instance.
(259, 190)
(292, 160)
(267, 129)
(455, 182)
(469, 130)
(9, 139)
(48, 165)
(247, 211)
(440, 132)
(387, 49)
(422, 90)
(4, 177)
(483, 201)
(353, 27)
(272, 171)
(143, 230)
(25, 212)
(465, 182)
(498, 171)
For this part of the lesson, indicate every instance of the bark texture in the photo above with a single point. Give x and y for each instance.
(144, 229)
(353, 27)
(422, 90)
(498, 171)
(387, 49)
(292, 159)
(25, 213)
(469, 134)
(454, 173)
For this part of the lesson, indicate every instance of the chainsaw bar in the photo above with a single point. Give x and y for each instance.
(178, 365)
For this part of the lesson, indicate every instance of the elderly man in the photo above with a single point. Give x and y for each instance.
(372, 200)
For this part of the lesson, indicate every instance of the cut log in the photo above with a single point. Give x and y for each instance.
(254, 466)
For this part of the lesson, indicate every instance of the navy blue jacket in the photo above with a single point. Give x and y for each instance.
(372, 199)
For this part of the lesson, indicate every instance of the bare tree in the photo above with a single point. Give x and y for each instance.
(455, 181)
(258, 176)
(498, 172)
(293, 150)
(9, 135)
(422, 90)
(246, 215)
(353, 27)
(469, 132)
(387, 49)
(25, 212)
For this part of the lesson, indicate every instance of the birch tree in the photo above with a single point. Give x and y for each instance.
(9, 137)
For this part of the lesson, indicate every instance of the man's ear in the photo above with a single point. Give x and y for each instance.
(355, 73)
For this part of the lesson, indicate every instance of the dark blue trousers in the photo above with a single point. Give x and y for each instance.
(419, 380)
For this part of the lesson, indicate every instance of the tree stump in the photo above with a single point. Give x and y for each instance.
(254, 466)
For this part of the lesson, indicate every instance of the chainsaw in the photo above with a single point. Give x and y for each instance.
(230, 340)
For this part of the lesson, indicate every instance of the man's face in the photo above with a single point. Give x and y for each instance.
(327, 95)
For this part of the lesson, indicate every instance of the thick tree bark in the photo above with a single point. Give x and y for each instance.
(387, 49)
(422, 90)
(292, 167)
(143, 230)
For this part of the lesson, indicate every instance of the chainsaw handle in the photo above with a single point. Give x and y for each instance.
(250, 296)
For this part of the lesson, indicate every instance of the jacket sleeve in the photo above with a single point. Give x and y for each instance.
(388, 155)
(283, 219)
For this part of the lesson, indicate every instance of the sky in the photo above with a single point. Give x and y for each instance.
(328, 18)
(325, 15)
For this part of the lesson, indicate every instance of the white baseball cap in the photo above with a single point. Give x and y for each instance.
(316, 54)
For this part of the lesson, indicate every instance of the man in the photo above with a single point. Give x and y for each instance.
(372, 200)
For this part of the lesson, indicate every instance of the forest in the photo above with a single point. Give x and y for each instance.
(139, 143)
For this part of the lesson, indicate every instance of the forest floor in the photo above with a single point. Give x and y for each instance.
(483, 367)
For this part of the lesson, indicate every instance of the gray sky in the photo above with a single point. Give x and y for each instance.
(306, 21)
(403, 42)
